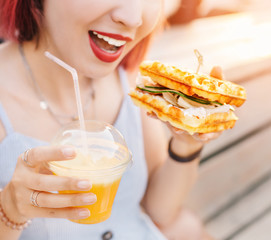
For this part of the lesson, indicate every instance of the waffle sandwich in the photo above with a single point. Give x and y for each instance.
(196, 103)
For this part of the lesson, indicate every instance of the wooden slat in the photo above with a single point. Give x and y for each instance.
(233, 33)
(249, 71)
(232, 41)
(253, 114)
(259, 231)
(240, 43)
(241, 213)
(228, 174)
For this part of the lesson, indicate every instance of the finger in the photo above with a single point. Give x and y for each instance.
(177, 131)
(52, 200)
(38, 155)
(200, 137)
(205, 137)
(48, 183)
(152, 115)
(174, 128)
(216, 72)
(215, 135)
(68, 213)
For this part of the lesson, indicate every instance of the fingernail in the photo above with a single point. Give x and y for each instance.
(84, 184)
(68, 152)
(89, 199)
(84, 213)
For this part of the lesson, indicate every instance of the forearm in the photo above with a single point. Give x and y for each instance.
(170, 184)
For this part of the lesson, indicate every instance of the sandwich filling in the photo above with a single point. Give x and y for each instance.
(193, 106)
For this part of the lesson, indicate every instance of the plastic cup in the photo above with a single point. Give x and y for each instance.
(103, 162)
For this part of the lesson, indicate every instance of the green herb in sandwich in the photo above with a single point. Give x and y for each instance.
(156, 89)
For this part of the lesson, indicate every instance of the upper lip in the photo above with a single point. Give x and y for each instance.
(114, 35)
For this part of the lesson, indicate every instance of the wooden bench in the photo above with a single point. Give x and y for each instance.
(232, 194)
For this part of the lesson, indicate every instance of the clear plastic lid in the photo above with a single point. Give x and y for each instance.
(101, 149)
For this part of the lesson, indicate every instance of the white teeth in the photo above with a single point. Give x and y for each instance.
(111, 41)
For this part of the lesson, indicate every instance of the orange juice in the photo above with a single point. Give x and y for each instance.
(102, 158)
(103, 163)
(105, 182)
(101, 210)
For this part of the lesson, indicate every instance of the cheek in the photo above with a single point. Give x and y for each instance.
(58, 22)
(151, 18)
(152, 15)
(72, 16)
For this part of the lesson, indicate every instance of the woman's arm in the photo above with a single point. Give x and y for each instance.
(169, 181)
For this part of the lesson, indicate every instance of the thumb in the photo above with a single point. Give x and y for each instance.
(216, 72)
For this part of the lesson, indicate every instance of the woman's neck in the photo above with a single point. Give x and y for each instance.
(51, 78)
(57, 87)
(56, 83)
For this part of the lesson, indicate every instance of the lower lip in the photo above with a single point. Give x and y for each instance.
(103, 55)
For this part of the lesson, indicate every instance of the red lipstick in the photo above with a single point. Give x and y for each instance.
(115, 36)
(104, 55)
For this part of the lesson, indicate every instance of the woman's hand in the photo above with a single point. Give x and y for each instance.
(27, 178)
(198, 139)
(191, 143)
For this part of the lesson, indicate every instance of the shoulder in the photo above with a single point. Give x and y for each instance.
(2, 132)
(8, 73)
(6, 51)
(2, 129)
(9, 61)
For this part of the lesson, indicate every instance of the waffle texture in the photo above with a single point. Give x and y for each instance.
(193, 84)
(176, 116)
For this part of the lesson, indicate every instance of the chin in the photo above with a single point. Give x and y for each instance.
(98, 70)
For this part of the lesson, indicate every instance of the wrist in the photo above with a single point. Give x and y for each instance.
(8, 213)
(184, 151)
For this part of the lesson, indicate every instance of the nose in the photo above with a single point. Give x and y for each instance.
(128, 13)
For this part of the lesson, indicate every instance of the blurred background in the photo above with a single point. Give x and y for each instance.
(233, 194)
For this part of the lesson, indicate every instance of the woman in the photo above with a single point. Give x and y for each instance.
(36, 95)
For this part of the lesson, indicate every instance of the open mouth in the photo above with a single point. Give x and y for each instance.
(106, 47)
(106, 43)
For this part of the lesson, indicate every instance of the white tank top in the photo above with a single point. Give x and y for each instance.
(127, 221)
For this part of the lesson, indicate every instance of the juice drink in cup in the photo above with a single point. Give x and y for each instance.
(102, 155)
(103, 163)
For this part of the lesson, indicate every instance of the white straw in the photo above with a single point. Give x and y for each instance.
(76, 85)
(77, 93)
